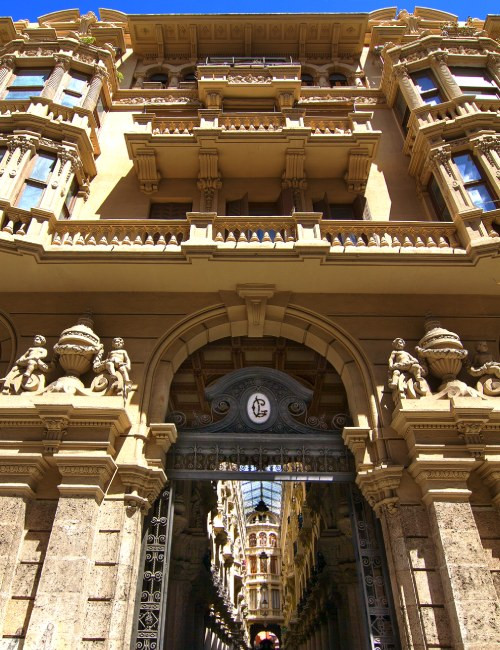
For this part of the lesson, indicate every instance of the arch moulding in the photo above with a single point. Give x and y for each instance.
(269, 315)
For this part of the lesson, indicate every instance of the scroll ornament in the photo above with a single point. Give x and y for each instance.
(78, 351)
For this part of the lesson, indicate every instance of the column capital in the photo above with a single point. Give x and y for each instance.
(19, 475)
(379, 486)
(84, 476)
(442, 480)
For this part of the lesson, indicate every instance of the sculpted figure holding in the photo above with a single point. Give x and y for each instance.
(115, 369)
(406, 373)
(27, 373)
(486, 370)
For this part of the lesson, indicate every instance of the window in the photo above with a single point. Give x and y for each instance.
(69, 201)
(263, 564)
(189, 77)
(475, 81)
(337, 79)
(253, 598)
(275, 598)
(438, 202)
(274, 565)
(252, 539)
(74, 92)
(473, 181)
(170, 210)
(31, 194)
(99, 111)
(273, 540)
(402, 111)
(27, 83)
(358, 209)
(262, 539)
(307, 79)
(253, 564)
(427, 87)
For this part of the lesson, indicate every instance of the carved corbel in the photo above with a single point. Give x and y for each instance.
(142, 485)
(294, 177)
(470, 431)
(146, 170)
(256, 297)
(358, 169)
(209, 180)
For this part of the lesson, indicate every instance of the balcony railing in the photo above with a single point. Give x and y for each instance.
(266, 122)
(300, 233)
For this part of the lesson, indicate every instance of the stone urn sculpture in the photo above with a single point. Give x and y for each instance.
(444, 353)
(75, 351)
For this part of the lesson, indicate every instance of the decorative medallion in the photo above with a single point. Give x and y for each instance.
(258, 408)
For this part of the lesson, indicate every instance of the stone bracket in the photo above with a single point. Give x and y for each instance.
(256, 297)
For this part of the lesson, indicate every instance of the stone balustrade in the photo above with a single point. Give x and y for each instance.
(343, 235)
(119, 234)
(267, 122)
(299, 232)
(161, 126)
(326, 126)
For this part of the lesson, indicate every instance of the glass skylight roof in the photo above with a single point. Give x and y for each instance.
(269, 491)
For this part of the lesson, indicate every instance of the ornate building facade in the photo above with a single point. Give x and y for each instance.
(249, 331)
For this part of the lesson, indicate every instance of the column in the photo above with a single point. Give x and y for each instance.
(17, 480)
(21, 148)
(333, 628)
(53, 82)
(403, 586)
(407, 87)
(7, 64)
(470, 596)
(443, 74)
(96, 83)
(61, 597)
(493, 64)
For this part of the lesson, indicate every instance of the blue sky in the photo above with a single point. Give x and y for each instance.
(33, 8)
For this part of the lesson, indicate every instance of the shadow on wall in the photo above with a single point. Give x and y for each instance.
(125, 200)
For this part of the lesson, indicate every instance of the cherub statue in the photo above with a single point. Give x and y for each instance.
(114, 370)
(28, 373)
(486, 369)
(406, 373)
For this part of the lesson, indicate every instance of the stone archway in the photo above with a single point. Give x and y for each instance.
(174, 351)
(258, 316)
(8, 344)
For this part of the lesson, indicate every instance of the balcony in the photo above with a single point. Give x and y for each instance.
(177, 251)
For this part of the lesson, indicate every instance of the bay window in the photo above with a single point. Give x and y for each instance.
(73, 93)
(427, 86)
(438, 202)
(41, 167)
(27, 83)
(474, 182)
(475, 81)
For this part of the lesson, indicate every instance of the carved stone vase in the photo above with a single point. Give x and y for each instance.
(75, 350)
(442, 350)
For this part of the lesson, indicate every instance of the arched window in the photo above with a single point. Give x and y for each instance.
(273, 540)
(307, 79)
(189, 76)
(337, 79)
(158, 77)
(252, 539)
(262, 539)
(253, 564)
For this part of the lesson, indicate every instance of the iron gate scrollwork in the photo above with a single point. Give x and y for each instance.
(151, 609)
(373, 575)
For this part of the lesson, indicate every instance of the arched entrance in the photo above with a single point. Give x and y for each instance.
(262, 410)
